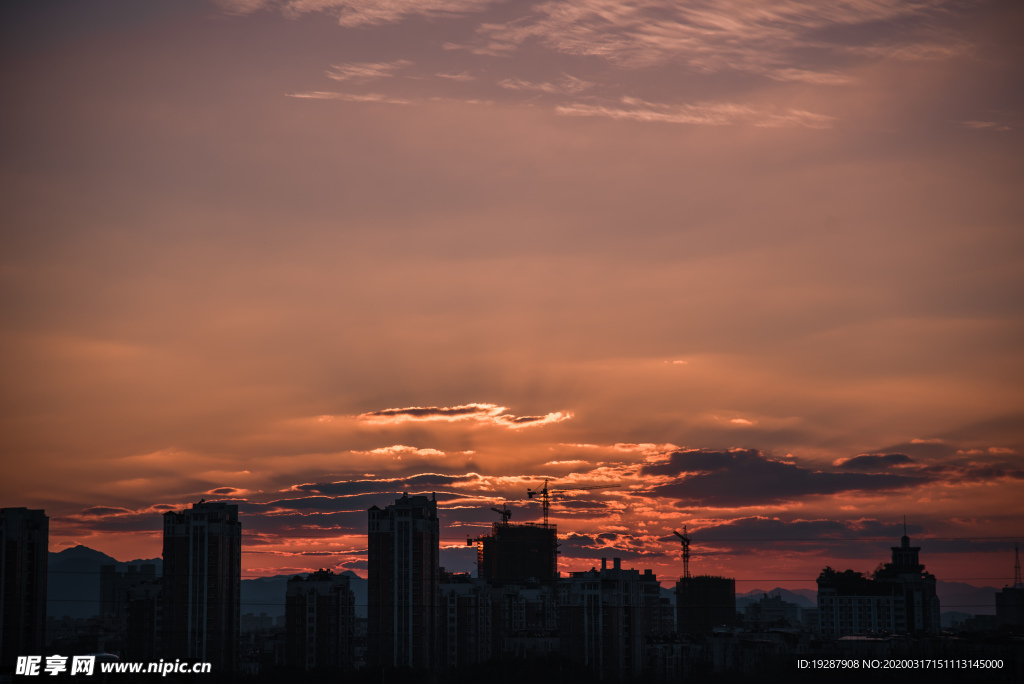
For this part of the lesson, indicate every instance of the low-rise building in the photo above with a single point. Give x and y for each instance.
(319, 622)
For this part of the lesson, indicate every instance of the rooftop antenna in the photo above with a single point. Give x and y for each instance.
(686, 551)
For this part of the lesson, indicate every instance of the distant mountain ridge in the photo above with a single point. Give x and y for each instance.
(953, 597)
(266, 594)
(966, 598)
(73, 585)
(73, 589)
(805, 598)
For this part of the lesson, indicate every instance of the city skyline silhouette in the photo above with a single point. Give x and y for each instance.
(616, 623)
(745, 271)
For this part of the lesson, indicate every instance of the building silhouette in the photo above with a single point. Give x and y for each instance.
(522, 552)
(851, 604)
(202, 584)
(771, 611)
(466, 621)
(704, 602)
(115, 591)
(916, 600)
(320, 622)
(403, 583)
(143, 617)
(24, 545)
(525, 620)
(1010, 606)
(482, 620)
(605, 617)
(1010, 600)
(898, 599)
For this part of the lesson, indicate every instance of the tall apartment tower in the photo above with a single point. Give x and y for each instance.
(24, 540)
(202, 584)
(403, 583)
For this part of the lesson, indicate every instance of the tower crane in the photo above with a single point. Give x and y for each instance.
(504, 512)
(545, 494)
(686, 550)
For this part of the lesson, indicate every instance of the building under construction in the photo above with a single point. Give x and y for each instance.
(517, 553)
(527, 552)
(705, 601)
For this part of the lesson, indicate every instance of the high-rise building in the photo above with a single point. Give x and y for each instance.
(202, 584)
(320, 622)
(403, 575)
(24, 541)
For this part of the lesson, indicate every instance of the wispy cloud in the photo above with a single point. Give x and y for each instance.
(377, 485)
(365, 71)
(925, 51)
(462, 100)
(705, 114)
(808, 76)
(361, 12)
(242, 6)
(987, 126)
(461, 76)
(770, 37)
(347, 97)
(757, 36)
(873, 462)
(652, 452)
(568, 85)
(479, 413)
(398, 450)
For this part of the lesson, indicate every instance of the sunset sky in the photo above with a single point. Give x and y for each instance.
(760, 263)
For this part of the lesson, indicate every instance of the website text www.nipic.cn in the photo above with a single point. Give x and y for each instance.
(30, 666)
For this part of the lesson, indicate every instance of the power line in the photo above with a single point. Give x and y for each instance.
(288, 575)
(436, 605)
(814, 539)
